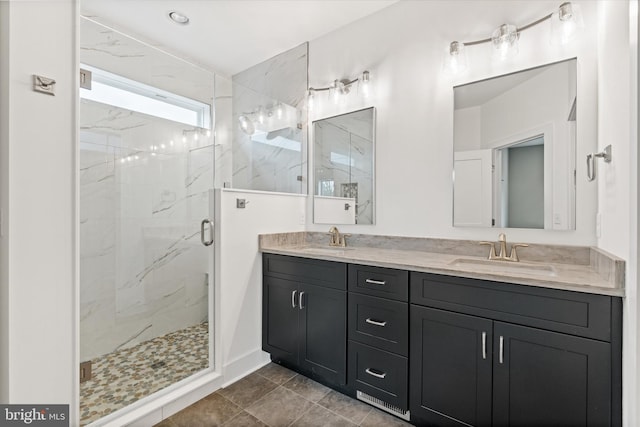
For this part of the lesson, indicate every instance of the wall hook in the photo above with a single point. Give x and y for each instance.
(44, 84)
(591, 161)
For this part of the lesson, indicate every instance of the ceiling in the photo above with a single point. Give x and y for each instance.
(229, 36)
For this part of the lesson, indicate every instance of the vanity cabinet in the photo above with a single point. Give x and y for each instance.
(378, 347)
(446, 350)
(304, 313)
(485, 353)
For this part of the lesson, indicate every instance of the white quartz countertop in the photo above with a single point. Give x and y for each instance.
(572, 277)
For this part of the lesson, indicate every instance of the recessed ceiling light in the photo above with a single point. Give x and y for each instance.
(179, 18)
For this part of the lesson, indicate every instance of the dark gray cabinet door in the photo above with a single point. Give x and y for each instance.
(280, 318)
(544, 378)
(323, 332)
(450, 365)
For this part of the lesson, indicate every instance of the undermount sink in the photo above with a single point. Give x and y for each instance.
(327, 250)
(493, 266)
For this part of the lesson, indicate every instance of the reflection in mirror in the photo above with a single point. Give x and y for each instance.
(515, 148)
(343, 168)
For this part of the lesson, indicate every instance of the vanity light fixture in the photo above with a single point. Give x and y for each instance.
(340, 88)
(178, 18)
(566, 21)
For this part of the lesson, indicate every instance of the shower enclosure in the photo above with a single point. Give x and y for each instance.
(146, 198)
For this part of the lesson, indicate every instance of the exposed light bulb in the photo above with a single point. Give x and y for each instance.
(136, 157)
(122, 160)
(566, 22)
(505, 41)
(338, 88)
(162, 146)
(365, 84)
(456, 58)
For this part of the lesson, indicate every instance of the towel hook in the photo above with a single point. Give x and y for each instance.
(591, 161)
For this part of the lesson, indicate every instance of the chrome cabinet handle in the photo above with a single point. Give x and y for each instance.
(293, 299)
(484, 345)
(375, 322)
(375, 374)
(501, 349)
(202, 239)
(300, 301)
(376, 282)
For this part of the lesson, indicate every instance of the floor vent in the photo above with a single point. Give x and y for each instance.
(381, 404)
(157, 365)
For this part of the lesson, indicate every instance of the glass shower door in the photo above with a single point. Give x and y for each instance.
(146, 265)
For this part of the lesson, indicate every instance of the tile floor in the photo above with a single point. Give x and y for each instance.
(125, 376)
(277, 397)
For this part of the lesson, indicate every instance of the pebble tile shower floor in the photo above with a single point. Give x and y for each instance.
(277, 397)
(125, 376)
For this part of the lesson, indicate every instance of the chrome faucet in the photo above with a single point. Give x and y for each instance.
(502, 238)
(337, 239)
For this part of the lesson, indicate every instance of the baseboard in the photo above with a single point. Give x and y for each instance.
(244, 365)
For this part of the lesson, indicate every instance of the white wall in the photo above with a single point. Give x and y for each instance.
(617, 183)
(239, 269)
(38, 185)
(4, 202)
(402, 46)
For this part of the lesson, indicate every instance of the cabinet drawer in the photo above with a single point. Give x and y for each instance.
(316, 272)
(378, 373)
(379, 282)
(575, 313)
(379, 322)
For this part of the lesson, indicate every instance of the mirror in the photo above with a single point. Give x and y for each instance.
(515, 148)
(344, 168)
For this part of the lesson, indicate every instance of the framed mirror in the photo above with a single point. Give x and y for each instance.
(344, 148)
(514, 150)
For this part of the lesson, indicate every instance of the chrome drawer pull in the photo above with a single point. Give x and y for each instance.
(484, 345)
(300, 306)
(501, 349)
(293, 299)
(375, 374)
(376, 282)
(375, 322)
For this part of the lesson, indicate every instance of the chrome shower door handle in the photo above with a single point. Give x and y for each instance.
(591, 167)
(204, 241)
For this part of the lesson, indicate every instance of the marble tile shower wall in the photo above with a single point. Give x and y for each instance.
(273, 158)
(143, 269)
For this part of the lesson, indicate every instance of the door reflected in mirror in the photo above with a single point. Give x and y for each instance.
(344, 168)
(515, 150)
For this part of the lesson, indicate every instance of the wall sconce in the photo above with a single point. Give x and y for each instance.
(340, 89)
(566, 21)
